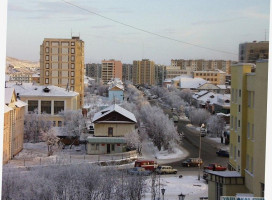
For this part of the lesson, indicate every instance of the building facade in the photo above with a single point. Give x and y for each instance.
(247, 134)
(111, 69)
(62, 65)
(250, 52)
(127, 72)
(94, 70)
(13, 125)
(160, 74)
(216, 77)
(144, 72)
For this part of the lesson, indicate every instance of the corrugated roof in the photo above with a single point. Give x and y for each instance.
(114, 108)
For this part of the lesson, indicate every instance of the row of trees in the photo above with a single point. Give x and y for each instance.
(152, 121)
(71, 182)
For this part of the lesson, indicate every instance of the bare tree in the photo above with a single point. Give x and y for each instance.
(199, 116)
(51, 139)
(215, 125)
(133, 140)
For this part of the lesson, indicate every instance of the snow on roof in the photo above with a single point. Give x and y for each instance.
(199, 94)
(87, 79)
(114, 108)
(224, 86)
(220, 99)
(224, 173)
(20, 103)
(7, 109)
(8, 95)
(115, 81)
(121, 87)
(191, 83)
(28, 89)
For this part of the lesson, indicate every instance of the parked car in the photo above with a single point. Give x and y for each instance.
(165, 170)
(192, 162)
(215, 167)
(223, 153)
(139, 171)
(150, 165)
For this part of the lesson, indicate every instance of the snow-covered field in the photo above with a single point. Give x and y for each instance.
(187, 185)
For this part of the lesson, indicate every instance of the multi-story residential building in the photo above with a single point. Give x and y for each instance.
(13, 125)
(172, 72)
(127, 72)
(247, 134)
(144, 72)
(62, 65)
(94, 70)
(46, 99)
(216, 77)
(21, 77)
(250, 52)
(111, 69)
(201, 64)
(160, 74)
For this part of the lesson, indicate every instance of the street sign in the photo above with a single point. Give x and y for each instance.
(241, 198)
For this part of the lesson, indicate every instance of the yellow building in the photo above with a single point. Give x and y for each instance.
(111, 69)
(46, 99)
(247, 134)
(172, 72)
(110, 127)
(143, 72)
(62, 65)
(13, 125)
(216, 77)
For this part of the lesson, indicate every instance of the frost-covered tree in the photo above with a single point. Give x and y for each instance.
(198, 116)
(133, 140)
(215, 125)
(51, 139)
(34, 123)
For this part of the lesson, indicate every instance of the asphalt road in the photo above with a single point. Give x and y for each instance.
(191, 143)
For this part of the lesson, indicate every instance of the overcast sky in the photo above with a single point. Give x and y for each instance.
(215, 24)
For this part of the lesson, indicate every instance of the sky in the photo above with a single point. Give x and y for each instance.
(218, 25)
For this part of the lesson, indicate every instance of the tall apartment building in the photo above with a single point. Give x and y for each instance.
(160, 74)
(127, 72)
(172, 72)
(94, 70)
(247, 134)
(144, 72)
(62, 65)
(250, 52)
(201, 64)
(111, 69)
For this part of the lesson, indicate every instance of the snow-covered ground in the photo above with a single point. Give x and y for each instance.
(149, 151)
(187, 185)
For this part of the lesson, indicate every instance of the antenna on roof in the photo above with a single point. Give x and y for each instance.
(67, 87)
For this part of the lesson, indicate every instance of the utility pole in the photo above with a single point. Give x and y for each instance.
(199, 153)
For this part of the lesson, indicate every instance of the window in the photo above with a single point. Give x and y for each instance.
(47, 65)
(72, 50)
(239, 108)
(59, 123)
(46, 50)
(252, 131)
(47, 43)
(46, 107)
(58, 106)
(238, 153)
(54, 123)
(72, 58)
(238, 138)
(240, 93)
(47, 80)
(72, 81)
(46, 73)
(72, 88)
(248, 130)
(239, 124)
(32, 105)
(72, 73)
(112, 147)
(110, 131)
(73, 43)
(47, 58)
(249, 99)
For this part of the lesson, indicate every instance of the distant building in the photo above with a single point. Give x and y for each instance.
(216, 77)
(127, 72)
(143, 72)
(111, 69)
(250, 52)
(172, 72)
(94, 70)
(14, 112)
(160, 74)
(110, 127)
(62, 65)
(46, 99)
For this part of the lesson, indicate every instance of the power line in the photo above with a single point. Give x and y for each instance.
(149, 32)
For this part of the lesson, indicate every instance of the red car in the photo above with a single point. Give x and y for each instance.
(215, 167)
(150, 165)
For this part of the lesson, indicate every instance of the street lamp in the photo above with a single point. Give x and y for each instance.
(181, 196)
(163, 191)
(199, 153)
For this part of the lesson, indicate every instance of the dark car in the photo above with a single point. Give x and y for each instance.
(139, 171)
(192, 162)
(223, 153)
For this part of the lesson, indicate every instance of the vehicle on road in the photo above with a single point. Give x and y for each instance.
(203, 132)
(192, 162)
(215, 167)
(165, 170)
(150, 165)
(139, 171)
(223, 153)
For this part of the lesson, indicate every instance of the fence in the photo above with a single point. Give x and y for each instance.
(105, 159)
